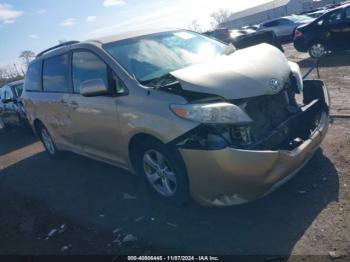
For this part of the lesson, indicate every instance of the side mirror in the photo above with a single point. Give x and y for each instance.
(94, 87)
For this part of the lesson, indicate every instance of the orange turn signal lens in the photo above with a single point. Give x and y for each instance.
(181, 112)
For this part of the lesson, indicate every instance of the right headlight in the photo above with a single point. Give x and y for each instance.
(213, 113)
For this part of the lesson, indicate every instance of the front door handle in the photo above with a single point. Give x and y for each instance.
(73, 104)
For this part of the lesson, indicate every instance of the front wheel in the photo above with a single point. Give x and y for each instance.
(2, 123)
(164, 172)
(317, 50)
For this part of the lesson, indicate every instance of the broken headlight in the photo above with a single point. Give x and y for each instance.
(213, 113)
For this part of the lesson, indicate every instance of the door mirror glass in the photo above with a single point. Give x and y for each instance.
(94, 87)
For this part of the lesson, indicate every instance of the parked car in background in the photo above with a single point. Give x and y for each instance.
(11, 104)
(243, 38)
(189, 114)
(330, 32)
(284, 27)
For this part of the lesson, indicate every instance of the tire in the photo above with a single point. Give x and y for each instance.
(317, 50)
(48, 142)
(164, 172)
(2, 123)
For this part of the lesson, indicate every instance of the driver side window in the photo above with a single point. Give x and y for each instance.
(87, 66)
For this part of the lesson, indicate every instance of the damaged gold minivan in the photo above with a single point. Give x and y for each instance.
(191, 115)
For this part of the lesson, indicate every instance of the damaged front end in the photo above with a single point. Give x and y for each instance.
(236, 163)
(278, 122)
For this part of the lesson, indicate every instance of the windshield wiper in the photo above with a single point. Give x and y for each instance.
(161, 81)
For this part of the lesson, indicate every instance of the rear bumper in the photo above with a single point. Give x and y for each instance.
(232, 176)
(300, 44)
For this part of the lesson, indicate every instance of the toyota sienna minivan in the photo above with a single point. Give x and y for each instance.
(192, 116)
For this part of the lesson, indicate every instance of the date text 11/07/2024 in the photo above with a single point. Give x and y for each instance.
(173, 258)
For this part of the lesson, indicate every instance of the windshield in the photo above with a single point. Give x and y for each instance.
(152, 56)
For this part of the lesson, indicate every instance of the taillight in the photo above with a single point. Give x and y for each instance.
(297, 33)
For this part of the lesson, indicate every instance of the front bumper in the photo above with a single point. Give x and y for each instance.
(232, 176)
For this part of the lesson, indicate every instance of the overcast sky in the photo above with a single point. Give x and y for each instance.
(37, 24)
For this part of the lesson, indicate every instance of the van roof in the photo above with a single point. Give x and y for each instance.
(126, 35)
(102, 40)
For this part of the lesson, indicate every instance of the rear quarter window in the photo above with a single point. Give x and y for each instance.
(55, 74)
(33, 77)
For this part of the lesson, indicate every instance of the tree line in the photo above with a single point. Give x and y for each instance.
(216, 19)
(16, 72)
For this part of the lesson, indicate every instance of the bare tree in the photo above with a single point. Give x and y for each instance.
(27, 57)
(219, 17)
(195, 26)
(9, 74)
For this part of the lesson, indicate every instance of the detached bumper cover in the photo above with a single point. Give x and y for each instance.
(232, 176)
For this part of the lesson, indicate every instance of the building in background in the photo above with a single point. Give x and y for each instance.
(273, 9)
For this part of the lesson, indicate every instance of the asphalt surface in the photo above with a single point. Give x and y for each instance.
(76, 205)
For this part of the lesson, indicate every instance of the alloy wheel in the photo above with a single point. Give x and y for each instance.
(159, 173)
(317, 50)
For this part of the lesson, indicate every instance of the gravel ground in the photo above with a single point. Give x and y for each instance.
(79, 206)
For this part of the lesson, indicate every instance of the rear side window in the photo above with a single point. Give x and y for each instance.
(33, 77)
(271, 24)
(87, 66)
(55, 74)
(335, 17)
(347, 13)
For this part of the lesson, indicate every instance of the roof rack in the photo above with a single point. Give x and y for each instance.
(57, 46)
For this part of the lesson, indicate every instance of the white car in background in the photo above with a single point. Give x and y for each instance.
(284, 27)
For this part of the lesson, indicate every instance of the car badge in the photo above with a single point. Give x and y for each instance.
(274, 84)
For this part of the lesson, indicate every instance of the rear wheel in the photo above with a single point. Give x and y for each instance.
(48, 142)
(317, 50)
(2, 123)
(163, 171)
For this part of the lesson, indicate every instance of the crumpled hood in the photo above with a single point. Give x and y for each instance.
(245, 73)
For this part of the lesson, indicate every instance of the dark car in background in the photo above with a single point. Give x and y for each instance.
(11, 104)
(330, 32)
(243, 38)
(284, 27)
